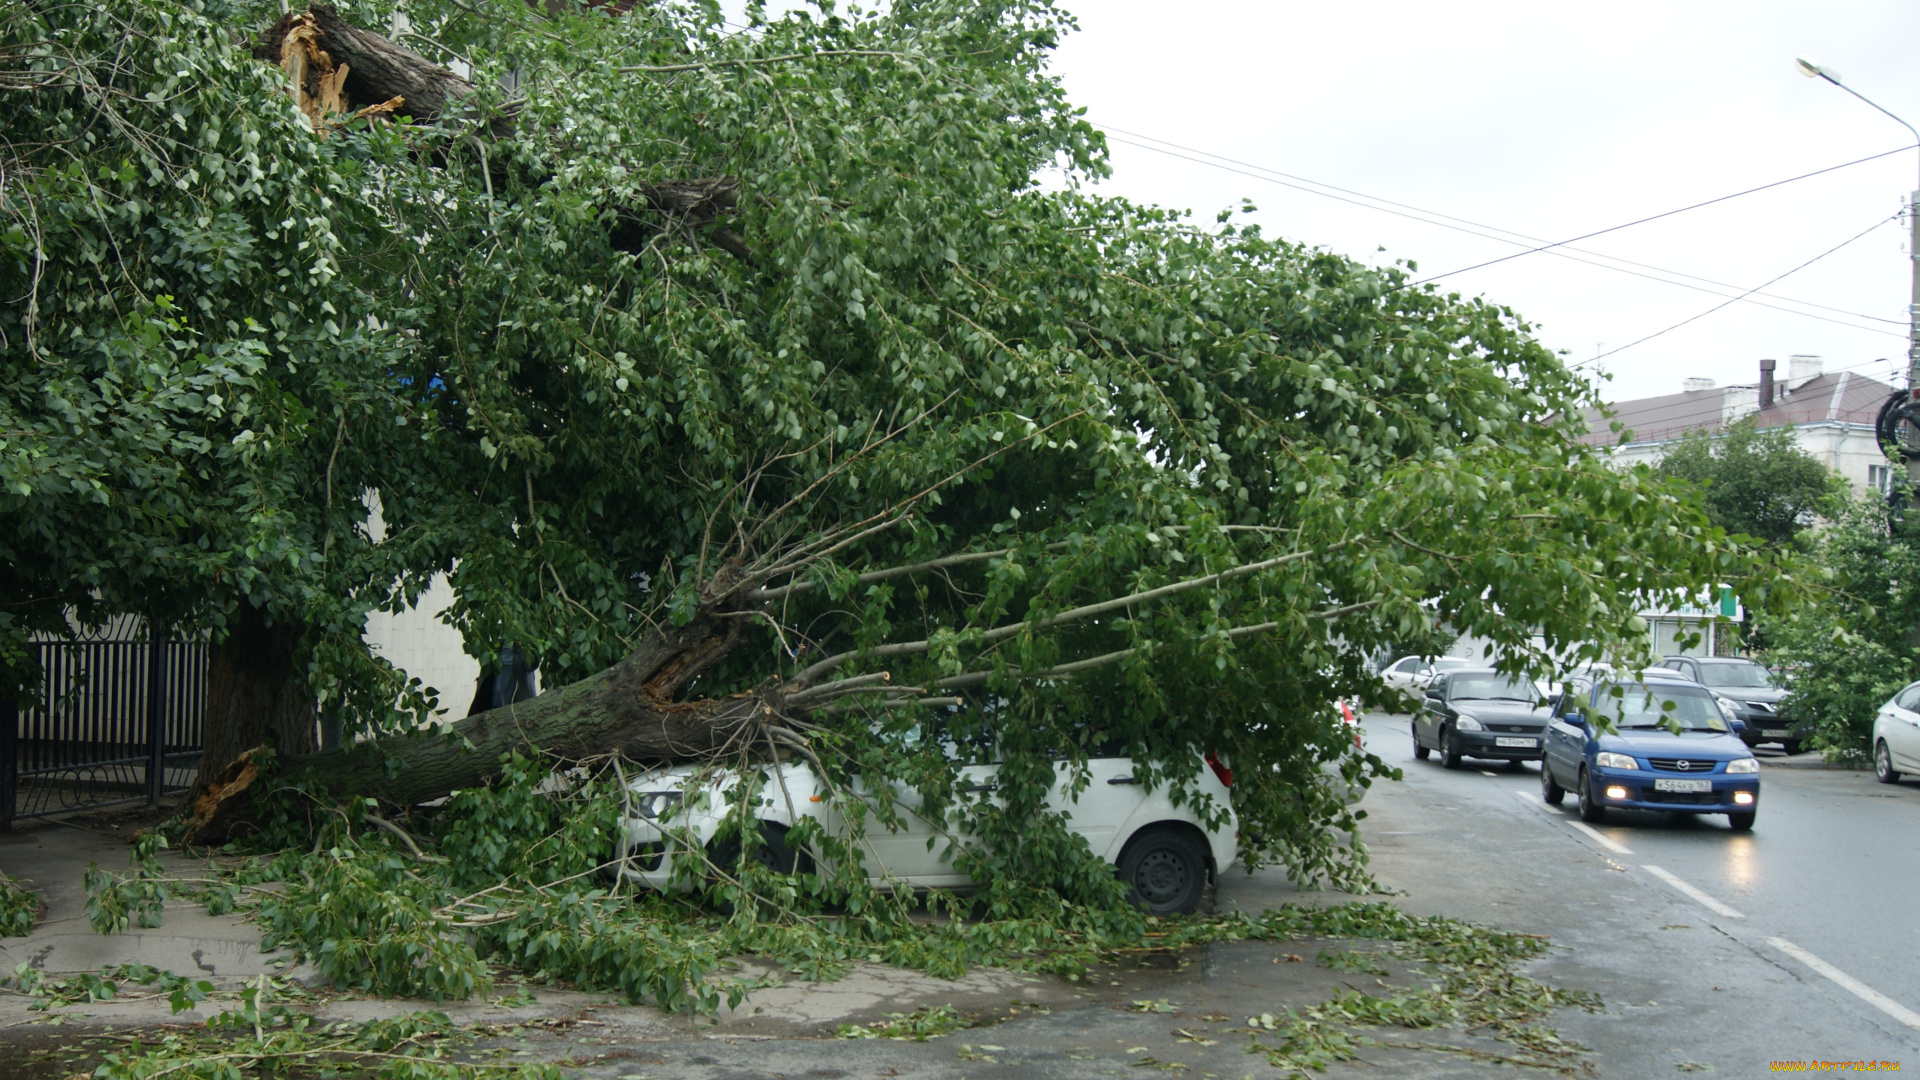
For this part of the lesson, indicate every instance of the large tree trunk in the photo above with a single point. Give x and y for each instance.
(254, 695)
(629, 709)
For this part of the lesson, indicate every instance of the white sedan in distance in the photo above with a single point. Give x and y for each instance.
(1411, 674)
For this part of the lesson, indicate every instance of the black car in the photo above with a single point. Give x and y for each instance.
(1752, 689)
(1481, 714)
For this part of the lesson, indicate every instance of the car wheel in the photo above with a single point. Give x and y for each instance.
(1550, 789)
(1791, 746)
(1165, 871)
(1419, 752)
(1591, 811)
(1741, 822)
(1883, 769)
(1513, 764)
(1450, 749)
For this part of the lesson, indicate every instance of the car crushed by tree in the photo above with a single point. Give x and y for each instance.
(780, 390)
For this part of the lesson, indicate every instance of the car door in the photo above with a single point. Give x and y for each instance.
(1428, 717)
(1109, 799)
(1902, 729)
(1565, 742)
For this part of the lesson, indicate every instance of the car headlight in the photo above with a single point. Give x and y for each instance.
(656, 804)
(1467, 723)
(1615, 761)
(1728, 706)
(1744, 765)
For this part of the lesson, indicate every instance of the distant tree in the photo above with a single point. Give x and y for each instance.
(1854, 649)
(1759, 481)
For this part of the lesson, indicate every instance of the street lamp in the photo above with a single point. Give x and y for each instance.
(1813, 70)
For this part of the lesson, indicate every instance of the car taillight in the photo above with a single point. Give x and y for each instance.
(1346, 714)
(1220, 769)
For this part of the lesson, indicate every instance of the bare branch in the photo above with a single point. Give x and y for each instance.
(1088, 611)
(962, 559)
(974, 678)
(663, 69)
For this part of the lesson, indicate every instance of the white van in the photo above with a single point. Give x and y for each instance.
(1165, 853)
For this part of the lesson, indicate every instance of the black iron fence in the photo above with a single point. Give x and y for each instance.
(113, 722)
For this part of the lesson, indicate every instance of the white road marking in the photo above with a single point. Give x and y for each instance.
(1598, 838)
(1543, 804)
(1486, 772)
(1848, 983)
(1705, 900)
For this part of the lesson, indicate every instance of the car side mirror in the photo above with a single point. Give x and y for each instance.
(1435, 695)
(1576, 718)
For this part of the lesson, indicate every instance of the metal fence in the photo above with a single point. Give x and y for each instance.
(115, 721)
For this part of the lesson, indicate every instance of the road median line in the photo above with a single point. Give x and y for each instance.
(1704, 900)
(1848, 983)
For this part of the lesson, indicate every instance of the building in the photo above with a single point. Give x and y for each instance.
(1831, 416)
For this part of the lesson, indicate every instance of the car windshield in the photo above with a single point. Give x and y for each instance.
(1449, 665)
(1745, 675)
(1643, 705)
(1491, 687)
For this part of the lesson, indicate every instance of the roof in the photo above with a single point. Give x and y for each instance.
(1836, 397)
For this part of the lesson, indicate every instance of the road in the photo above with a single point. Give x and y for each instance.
(1713, 952)
(1798, 941)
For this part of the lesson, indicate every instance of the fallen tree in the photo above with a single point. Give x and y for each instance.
(930, 444)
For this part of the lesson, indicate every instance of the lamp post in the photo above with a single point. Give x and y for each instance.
(1813, 70)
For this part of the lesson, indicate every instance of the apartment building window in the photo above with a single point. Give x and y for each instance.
(1880, 478)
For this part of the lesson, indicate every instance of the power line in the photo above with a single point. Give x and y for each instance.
(1727, 303)
(1666, 214)
(1475, 226)
(1552, 249)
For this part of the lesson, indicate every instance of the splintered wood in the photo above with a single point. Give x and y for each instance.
(318, 85)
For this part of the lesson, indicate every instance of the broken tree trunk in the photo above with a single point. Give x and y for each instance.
(335, 68)
(254, 694)
(629, 709)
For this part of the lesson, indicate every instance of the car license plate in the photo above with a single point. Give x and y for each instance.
(1775, 733)
(1528, 743)
(1682, 785)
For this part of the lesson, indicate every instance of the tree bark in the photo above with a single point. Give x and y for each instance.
(254, 695)
(629, 709)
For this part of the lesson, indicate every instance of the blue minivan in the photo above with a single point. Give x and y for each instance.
(1670, 748)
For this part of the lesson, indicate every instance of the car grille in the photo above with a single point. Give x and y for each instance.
(1684, 798)
(1760, 706)
(1524, 729)
(647, 857)
(1671, 764)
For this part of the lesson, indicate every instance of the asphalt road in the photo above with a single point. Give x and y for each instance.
(1713, 950)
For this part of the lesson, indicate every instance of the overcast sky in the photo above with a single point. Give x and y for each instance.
(1548, 120)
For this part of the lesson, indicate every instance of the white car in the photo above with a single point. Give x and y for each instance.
(1896, 736)
(1411, 674)
(1165, 853)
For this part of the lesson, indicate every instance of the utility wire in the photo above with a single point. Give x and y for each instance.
(1726, 303)
(1666, 214)
(1471, 227)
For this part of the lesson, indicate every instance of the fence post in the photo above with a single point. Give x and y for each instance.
(9, 759)
(156, 713)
